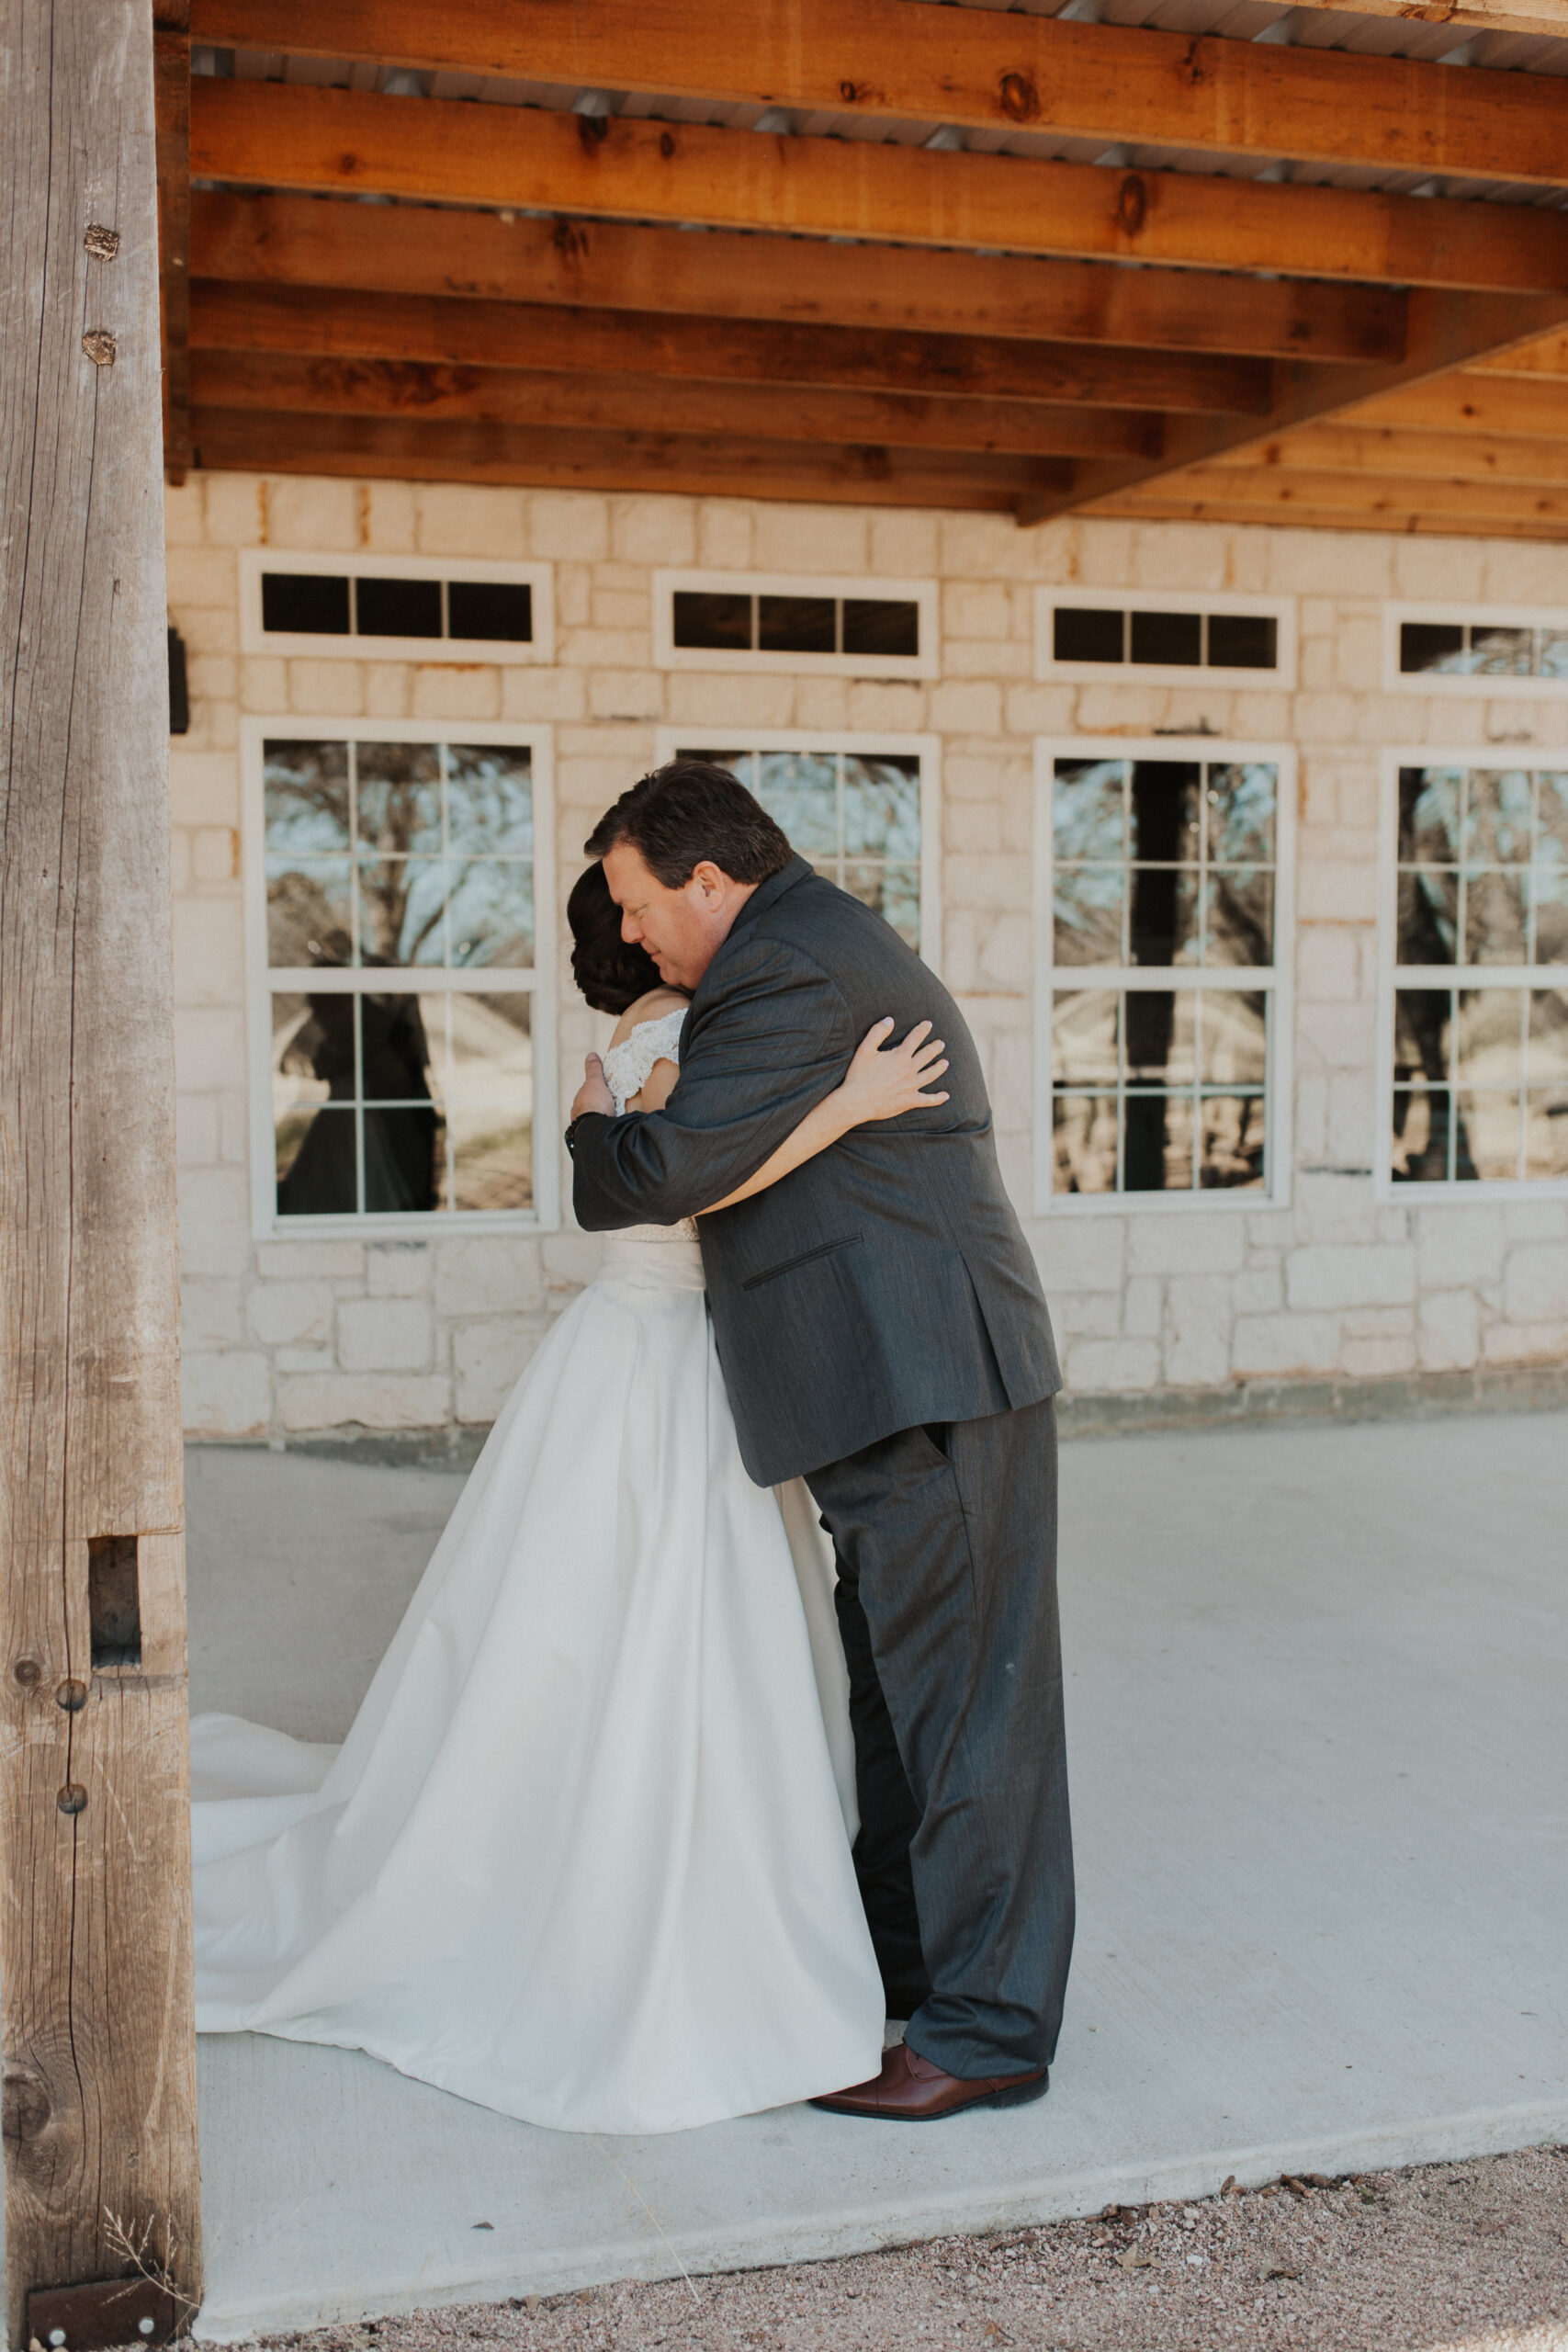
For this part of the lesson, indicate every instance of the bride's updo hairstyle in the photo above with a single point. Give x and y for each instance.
(688, 810)
(610, 973)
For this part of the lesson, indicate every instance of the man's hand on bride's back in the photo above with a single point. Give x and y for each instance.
(884, 1081)
(594, 1094)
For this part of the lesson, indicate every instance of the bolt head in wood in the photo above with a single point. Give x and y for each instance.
(73, 1798)
(72, 1695)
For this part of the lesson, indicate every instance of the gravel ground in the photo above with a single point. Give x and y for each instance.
(1444, 2254)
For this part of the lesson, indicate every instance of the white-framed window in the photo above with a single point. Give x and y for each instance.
(1472, 1027)
(1164, 896)
(746, 620)
(864, 808)
(1489, 649)
(1159, 637)
(396, 608)
(399, 930)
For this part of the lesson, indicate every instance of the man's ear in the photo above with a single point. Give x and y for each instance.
(711, 880)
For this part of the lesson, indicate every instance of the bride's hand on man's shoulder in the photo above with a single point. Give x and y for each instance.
(885, 1080)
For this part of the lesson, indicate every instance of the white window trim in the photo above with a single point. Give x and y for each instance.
(1389, 972)
(1470, 686)
(668, 655)
(1278, 983)
(927, 749)
(1281, 610)
(443, 651)
(539, 983)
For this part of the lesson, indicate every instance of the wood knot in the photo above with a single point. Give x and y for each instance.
(27, 1672)
(854, 93)
(73, 1798)
(100, 347)
(1191, 66)
(592, 129)
(24, 2108)
(1131, 204)
(1019, 97)
(667, 144)
(569, 240)
(101, 242)
(72, 1695)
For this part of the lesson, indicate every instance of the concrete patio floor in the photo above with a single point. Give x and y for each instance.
(1320, 1750)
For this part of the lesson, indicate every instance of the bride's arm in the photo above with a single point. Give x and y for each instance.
(877, 1085)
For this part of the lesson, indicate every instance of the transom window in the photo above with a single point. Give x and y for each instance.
(1087, 634)
(1162, 905)
(1478, 978)
(727, 620)
(862, 809)
(1493, 650)
(403, 609)
(399, 902)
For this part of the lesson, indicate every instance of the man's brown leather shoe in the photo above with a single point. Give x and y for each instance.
(909, 2089)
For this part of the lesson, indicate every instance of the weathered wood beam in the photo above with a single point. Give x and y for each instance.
(397, 448)
(1350, 449)
(443, 331)
(95, 1994)
(1548, 18)
(618, 265)
(284, 381)
(1547, 357)
(1262, 494)
(264, 133)
(1467, 400)
(171, 68)
(887, 59)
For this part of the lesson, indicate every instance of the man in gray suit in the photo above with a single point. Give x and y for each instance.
(882, 1332)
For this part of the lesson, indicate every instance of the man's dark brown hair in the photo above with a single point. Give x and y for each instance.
(688, 810)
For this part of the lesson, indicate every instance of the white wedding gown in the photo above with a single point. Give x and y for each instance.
(584, 1856)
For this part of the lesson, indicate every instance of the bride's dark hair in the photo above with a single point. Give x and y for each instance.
(610, 973)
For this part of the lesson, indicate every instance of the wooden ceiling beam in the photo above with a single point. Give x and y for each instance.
(1467, 400)
(1547, 357)
(269, 134)
(1274, 495)
(1385, 450)
(443, 330)
(398, 448)
(1543, 17)
(618, 265)
(886, 58)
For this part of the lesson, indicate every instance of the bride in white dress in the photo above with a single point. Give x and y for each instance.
(585, 1856)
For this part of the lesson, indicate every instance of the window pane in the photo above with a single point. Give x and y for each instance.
(1234, 1028)
(800, 791)
(1497, 816)
(1242, 798)
(1162, 927)
(1085, 633)
(1546, 1131)
(1161, 1026)
(315, 603)
(1420, 1141)
(1165, 810)
(399, 1037)
(307, 913)
(1084, 1027)
(489, 799)
(1486, 1134)
(1169, 638)
(1429, 816)
(1551, 656)
(1551, 817)
(1089, 903)
(1157, 1149)
(1546, 1041)
(1428, 916)
(398, 1053)
(1230, 1146)
(1239, 917)
(882, 808)
(881, 625)
(399, 797)
(1500, 652)
(1494, 918)
(306, 798)
(1549, 893)
(891, 891)
(1087, 812)
(1083, 1139)
(1431, 645)
(402, 905)
(502, 610)
(1423, 1020)
(1243, 641)
(1488, 1037)
(317, 1163)
(397, 607)
(489, 1111)
(796, 624)
(716, 624)
(311, 1058)
(490, 913)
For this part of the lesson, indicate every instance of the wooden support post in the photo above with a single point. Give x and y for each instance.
(170, 66)
(96, 2000)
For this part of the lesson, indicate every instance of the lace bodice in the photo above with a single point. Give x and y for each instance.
(628, 1066)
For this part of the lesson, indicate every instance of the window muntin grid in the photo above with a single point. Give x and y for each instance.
(855, 815)
(1483, 650)
(396, 604)
(1163, 637)
(1161, 863)
(1480, 1061)
(383, 857)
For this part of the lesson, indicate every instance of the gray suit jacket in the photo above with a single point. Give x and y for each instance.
(885, 1283)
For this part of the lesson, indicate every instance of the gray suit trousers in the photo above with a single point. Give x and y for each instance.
(946, 1543)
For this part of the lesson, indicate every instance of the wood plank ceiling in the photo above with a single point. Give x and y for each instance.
(1224, 260)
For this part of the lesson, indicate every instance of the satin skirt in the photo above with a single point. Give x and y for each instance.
(585, 1856)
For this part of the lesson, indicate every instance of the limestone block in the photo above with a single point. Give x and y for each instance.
(1012, 1089)
(1524, 1342)
(215, 857)
(1462, 1244)
(1354, 1118)
(183, 522)
(1360, 651)
(822, 702)
(303, 1359)
(1106, 554)
(210, 629)
(286, 1314)
(1317, 666)
(543, 694)
(649, 529)
(964, 657)
(1261, 716)
(383, 1334)
(1378, 1322)
(1536, 1220)
(456, 690)
(1289, 1345)
(1057, 549)
(462, 518)
(975, 774)
(1395, 1224)
(1197, 1330)
(1448, 1334)
(731, 699)
(1081, 1252)
(974, 608)
(1040, 710)
(195, 1130)
(1328, 969)
(201, 575)
(235, 510)
(571, 524)
(1086, 1314)
(226, 1395)
(1258, 1290)
(1142, 1306)
(1336, 888)
(330, 689)
(1379, 1359)
(488, 1273)
(1334, 1036)
(1519, 572)
(313, 512)
(574, 594)
(396, 1269)
(263, 684)
(1333, 1207)
(971, 825)
(1180, 554)
(311, 1260)
(1330, 563)
(1095, 1365)
(208, 944)
(1324, 717)
(809, 539)
(627, 608)
(1312, 1115)
(904, 546)
(180, 843)
(1454, 568)
(488, 1359)
(211, 677)
(1328, 1274)
(986, 882)
(724, 535)
(1535, 1282)
(897, 703)
(212, 1313)
(388, 689)
(1211, 1243)
(1122, 710)
(1200, 708)
(1006, 953)
(1380, 718)
(214, 1215)
(369, 1400)
(389, 517)
(209, 1048)
(626, 694)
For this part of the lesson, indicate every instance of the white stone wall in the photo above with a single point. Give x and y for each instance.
(289, 1335)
